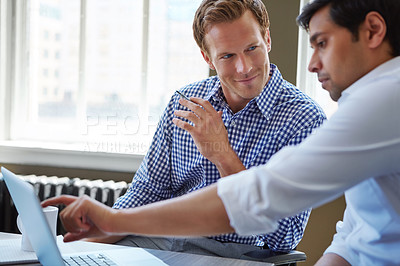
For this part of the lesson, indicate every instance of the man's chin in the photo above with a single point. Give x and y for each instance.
(334, 96)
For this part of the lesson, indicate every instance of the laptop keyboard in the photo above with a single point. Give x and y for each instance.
(92, 259)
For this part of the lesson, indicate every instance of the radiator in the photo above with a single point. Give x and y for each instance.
(49, 186)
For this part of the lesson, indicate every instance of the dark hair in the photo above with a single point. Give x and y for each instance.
(211, 12)
(350, 14)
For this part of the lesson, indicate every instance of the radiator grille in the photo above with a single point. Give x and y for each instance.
(49, 186)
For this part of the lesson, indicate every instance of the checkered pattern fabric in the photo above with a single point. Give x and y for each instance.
(281, 115)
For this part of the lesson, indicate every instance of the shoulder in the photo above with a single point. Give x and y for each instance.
(196, 89)
(297, 102)
(201, 88)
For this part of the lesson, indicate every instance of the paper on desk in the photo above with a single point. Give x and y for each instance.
(11, 252)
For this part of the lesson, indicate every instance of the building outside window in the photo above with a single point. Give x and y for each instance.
(95, 75)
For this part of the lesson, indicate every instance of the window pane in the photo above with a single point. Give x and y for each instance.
(113, 55)
(53, 60)
(174, 57)
(98, 88)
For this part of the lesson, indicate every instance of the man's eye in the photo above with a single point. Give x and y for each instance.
(252, 48)
(321, 44)
(227, 56)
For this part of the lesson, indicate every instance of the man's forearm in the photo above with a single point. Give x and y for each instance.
(195, 214)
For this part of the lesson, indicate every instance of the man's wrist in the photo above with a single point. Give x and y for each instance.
(229, 163)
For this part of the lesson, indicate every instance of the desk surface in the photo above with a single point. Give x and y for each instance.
(169, 257)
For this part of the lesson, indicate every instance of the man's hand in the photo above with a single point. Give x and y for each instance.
(208, 130)
(209, 134)
(83, 217)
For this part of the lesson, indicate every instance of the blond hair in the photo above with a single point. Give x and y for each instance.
(212, 12)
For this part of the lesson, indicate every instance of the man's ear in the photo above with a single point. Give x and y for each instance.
(375, 27)
(208, 60)
(268, 40)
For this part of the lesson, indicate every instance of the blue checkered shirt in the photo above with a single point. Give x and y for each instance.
(281, 115)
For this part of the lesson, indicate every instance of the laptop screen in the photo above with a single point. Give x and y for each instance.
(35, 224)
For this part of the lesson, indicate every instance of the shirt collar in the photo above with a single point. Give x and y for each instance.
(269, 96)
(214, 90)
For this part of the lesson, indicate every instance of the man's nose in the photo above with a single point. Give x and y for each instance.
(315, 63)
(243, 65)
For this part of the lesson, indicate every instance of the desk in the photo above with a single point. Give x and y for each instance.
(169, 257)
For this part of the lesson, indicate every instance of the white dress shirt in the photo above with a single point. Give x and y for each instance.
(357, 152)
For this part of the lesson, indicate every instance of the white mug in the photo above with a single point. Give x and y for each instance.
(50, 213)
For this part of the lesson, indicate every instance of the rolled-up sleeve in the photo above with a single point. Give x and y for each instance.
(357, 143)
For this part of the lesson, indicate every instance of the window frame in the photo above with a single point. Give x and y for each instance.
(304, 79)
(5, 67)
(37, 152)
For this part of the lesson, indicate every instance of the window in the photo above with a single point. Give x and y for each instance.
(308, 81)
(93, 75)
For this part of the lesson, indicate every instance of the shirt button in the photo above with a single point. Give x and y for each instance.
(233, 123)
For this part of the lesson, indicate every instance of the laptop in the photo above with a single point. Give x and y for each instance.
(43, 242)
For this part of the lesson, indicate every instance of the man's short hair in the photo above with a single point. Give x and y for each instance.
(212, 12)
(351, 14)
